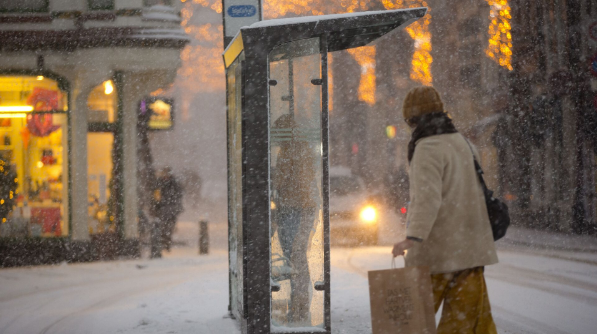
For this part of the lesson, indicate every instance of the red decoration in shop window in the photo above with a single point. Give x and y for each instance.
(41, 125)
(44, 99)
(48, 218)
(47, 157)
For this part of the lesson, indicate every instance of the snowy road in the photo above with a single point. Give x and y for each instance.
(532, 291)
(529, 293)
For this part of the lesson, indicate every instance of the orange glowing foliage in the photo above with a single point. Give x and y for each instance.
(499, 47)
(279, 8)
(204, 33)
(365, 57)
(216, 5)
(419, 32)
(202, 69)
(283, 8)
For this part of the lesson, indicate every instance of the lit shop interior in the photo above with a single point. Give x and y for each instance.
(34, 157)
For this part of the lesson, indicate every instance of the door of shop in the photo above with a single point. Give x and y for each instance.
(104, 167)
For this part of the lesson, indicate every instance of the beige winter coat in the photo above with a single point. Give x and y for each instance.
(447, 209)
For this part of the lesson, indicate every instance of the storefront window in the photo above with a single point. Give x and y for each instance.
(102, 103)
(33, 157)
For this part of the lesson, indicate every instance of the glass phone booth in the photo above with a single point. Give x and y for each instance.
(277, 117)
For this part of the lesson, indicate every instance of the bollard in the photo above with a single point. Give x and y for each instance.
(203, 238)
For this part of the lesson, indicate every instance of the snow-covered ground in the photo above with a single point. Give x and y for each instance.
(535, 289)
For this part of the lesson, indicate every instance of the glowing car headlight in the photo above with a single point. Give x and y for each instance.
(368, 214)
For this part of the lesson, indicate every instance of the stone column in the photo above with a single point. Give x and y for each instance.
(78, 159)
(131, 95)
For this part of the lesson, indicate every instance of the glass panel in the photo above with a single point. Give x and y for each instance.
(33, 158)
(101, 4)
(149, 3)
(23, 5)
(297, 247)
(235, 185)
(99, 175)
(102, 103)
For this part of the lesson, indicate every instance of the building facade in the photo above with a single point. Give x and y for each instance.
(72, 74)
(551, 115)
(516, 77)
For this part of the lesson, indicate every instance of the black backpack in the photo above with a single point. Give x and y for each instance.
(499, 217)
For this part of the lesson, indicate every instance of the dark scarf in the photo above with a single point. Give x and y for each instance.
(432, 124)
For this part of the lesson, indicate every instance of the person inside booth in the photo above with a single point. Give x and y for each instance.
(294, 189)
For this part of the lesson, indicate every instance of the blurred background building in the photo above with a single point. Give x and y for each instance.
(517, 80)
(72, 76)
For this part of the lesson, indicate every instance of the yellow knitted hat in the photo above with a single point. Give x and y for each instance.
(420, 101)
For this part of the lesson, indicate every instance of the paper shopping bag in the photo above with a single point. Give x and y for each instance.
(402, 301)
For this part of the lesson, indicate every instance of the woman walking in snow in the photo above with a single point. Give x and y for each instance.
(448, 226)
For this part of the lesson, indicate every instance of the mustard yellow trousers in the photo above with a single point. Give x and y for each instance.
(466, 305)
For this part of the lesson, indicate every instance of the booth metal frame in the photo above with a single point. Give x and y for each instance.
(335, 32)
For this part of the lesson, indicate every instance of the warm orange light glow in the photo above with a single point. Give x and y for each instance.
(108, 87)
(499, 46)
(330, 83)
(419, 32)
(368, 214)
(158, 92)
(365, 57)
(16, 108)
(391, 131)
(13, 115)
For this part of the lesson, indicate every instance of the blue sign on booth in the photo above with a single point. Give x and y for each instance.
(242, 11)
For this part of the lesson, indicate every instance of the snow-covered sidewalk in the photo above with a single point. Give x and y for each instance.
(181, 293)
(534, 289)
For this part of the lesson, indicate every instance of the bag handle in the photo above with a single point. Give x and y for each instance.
(479, 170)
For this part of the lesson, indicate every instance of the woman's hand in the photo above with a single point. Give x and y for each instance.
(402, 246)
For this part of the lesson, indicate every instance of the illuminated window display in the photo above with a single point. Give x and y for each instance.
(33, 157)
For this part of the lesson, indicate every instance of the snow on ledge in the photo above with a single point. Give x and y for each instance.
(161, 13)
(164, 33)
(307, 19)
(284, 329)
